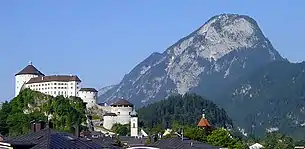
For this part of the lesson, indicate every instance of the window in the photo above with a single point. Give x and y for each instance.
(129, 113)
(54, 87)
(71, 87)
(54, 83)
(118, 113)
(133, 125)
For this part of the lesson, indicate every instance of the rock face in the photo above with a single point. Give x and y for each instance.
(206, 62)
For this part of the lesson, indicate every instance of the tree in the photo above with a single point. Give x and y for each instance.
(15, 116)
(278, 140)
(120, 129)
(222, 138)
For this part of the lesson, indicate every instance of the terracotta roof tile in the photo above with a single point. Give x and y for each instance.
(203, 123)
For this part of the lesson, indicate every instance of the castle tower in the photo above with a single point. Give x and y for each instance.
(24, 76)
(88, 95)
(134, 123)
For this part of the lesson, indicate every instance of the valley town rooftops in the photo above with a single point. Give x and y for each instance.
(122, 102)
(60, 78)
(30, 69)
(88, 89)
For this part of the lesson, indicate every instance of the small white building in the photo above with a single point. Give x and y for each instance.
(256, 146)
(119, 112)
(54, 85)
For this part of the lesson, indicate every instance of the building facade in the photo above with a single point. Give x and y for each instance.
(54, 85)
(119, 112)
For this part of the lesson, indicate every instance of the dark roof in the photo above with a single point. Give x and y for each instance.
(132, 141)
(88, 89)
(122, 102)
(30, 69)
(103, 141)
(110, 114)
(48, 138)
(177, 143)
(61, 78)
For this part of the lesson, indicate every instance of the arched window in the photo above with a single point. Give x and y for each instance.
(133, 125)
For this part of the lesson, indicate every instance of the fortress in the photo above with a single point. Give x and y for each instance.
(121, 112)
(54, 85)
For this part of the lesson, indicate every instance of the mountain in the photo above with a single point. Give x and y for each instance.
(271, 98)
(105, 89)
(206, 62)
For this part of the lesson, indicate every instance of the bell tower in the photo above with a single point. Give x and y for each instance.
(134, 123)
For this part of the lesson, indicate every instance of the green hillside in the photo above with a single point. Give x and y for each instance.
(15, 116)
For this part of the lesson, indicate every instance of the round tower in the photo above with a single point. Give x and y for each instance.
(22, 77)
(88, 95)
(122, 108)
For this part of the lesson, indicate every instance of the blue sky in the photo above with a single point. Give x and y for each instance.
(102, 40)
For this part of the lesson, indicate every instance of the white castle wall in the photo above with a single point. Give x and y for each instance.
(89, 97)
(123, 114)
(20, 80)
(56, 88)
(109, 121)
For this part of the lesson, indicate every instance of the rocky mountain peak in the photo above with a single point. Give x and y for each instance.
(226, 47)
(220, 35)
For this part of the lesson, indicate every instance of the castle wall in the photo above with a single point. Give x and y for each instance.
(56, 88)
(20, 80)
(109, 121)
(88, 97)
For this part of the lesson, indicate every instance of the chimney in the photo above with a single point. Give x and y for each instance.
(38, 126)
(76, 130)
(32, 123)
(43, 124)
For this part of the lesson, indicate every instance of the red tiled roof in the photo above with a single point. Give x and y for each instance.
(203, 123)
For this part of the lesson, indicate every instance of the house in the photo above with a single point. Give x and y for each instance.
(46, 138)
(181, 143)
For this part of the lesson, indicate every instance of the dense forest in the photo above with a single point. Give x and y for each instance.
(15, 116)
(272, 97)
(185, 109)
(183, 112)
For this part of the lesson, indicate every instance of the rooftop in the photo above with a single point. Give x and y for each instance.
(60, 78)
(49, 138)
(203, 123)
(30, 69)
(122, 102)
(109, 114)
(178, 143)
(88, 89)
